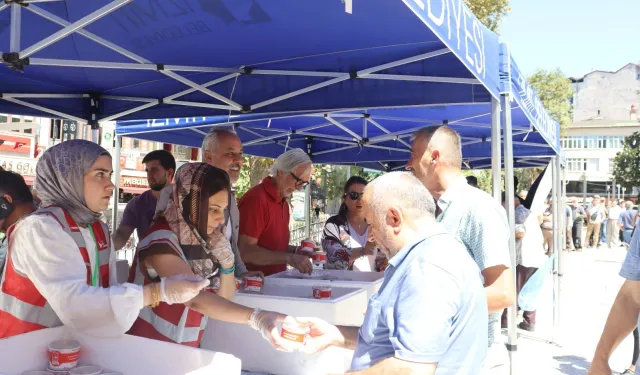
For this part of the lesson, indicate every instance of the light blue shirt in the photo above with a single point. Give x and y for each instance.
(631, 266)
(431, 307)
(477, 220)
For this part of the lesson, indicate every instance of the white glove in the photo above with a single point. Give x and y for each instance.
(220, 247)
(181, 288)
(265, 323)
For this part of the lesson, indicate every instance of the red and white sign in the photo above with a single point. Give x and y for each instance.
(15, 143)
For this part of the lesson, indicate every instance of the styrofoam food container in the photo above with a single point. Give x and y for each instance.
(86, 370)
(63, 354)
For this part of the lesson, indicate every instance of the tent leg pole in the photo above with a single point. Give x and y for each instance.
(558, 226)
(116, 182)
(496, 151)
(512, 344)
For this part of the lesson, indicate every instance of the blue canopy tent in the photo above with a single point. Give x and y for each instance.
(104, 60)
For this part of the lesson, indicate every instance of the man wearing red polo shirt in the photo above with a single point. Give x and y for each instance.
(264, 217)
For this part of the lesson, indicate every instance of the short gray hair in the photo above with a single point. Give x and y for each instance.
(403, 189)
(289, 161)
(210, 141)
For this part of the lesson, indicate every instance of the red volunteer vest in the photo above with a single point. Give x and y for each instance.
(175, 323)
(22, 308)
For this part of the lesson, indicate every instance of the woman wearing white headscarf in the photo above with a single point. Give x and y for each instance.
(61, 265)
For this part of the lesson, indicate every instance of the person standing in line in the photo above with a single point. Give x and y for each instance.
(624, 314)
(613, 215)
(430, 314)
(579, 218)
(529, 256)
(595, 216)
(627, 221)
(264, 217)
(16, 202)
(160, 166)
(222, 148)
(344, 237)
(603, 227)
(568, 227)
(475, 219)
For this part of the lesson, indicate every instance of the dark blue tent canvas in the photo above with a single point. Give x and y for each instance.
(184, 58)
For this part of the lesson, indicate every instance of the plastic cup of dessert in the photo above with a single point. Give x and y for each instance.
(253, 284)
(63, 355)
(294, 332)
(321, 292)
(86, 370)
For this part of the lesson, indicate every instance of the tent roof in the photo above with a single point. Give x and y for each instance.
(371, 137)
(120, 59)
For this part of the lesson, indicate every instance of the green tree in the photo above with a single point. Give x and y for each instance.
(626, 168)
(555, 92)
(489, 12)
(255, 170)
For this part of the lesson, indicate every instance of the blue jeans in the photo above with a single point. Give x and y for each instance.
(603, 231)
(626, 235)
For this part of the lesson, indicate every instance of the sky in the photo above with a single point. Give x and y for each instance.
(577, 36)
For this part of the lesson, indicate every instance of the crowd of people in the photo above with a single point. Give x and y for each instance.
(442, 243)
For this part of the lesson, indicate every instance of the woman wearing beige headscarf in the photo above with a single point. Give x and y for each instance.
(185, 238)
(60, 262)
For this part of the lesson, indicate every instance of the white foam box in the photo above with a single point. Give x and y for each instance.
(129, 355)
(258, 355)
(369, 281)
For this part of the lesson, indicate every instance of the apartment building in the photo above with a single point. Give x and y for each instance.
(605, 110)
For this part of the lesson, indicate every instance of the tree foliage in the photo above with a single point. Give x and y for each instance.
(489, 12)
(255, 170)
(555, 92)
(626, 169)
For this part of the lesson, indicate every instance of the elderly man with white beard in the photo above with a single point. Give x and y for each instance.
(430, 314)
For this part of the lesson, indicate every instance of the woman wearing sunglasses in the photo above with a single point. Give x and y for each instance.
(345, 235)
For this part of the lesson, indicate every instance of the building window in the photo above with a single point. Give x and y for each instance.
(612, 165)
(136, 143)
(592, 165)
(576, 165)
(15, 119)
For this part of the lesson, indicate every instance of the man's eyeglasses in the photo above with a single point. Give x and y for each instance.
(354, 195)
(300, 183)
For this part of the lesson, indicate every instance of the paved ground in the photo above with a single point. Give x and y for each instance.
(590, 285)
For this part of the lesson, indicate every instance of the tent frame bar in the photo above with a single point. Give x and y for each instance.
(16, 24)
(71, 28)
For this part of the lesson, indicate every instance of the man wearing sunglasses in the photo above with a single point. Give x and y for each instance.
(264, 217)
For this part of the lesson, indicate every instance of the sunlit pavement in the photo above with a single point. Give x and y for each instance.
(590, 285)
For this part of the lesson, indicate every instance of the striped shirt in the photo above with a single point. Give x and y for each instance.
(477, 220)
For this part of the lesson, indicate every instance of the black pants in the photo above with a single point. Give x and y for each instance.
(576, 233)
(636, 346)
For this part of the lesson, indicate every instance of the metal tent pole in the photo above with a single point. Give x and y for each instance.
(555, 185)
(496, 151)
(116, 191)
(512, 344)
(307, 211)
